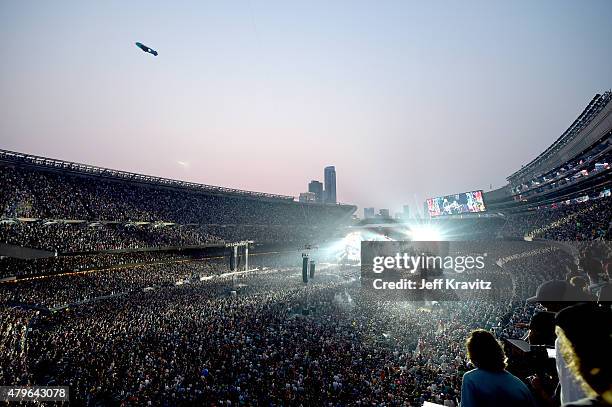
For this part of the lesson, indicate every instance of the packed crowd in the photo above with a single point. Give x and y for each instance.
(165, 329)
(199, 343)
(580, 221)
(36, 194)
(110, 215)
(10, 266)
(81, 237)
(63, 290)
(14, 324)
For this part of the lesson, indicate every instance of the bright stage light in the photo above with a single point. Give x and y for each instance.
(425, 233)
(349, 247)
(353, 239)
(352, 246)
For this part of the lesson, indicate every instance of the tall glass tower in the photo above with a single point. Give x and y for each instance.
(330, 184)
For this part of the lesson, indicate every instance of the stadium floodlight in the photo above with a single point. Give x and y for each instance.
(425, 233)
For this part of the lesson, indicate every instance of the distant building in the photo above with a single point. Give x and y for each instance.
(316, 187)
(330, 184)
(384, 213)
(405, 211)
(308, 197)
(368, 213)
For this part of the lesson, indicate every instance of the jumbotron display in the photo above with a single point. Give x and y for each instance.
(465, 202)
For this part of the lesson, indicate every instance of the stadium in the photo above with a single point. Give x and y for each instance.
(129, 288)
(156, 249)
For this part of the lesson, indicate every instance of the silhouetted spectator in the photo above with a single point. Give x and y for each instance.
(490, 384)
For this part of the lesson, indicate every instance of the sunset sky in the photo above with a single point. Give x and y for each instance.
(406, 99)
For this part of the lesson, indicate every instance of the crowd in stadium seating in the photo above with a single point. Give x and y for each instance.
(67, 237)
(71, 214)
(74, 288)
(112, 213)
(10, 266)
(45, 195)
(597, 104)
(582, 221)
(579, 221)
(595, 161)
(79, 238)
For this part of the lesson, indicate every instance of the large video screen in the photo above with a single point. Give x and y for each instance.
(466, 202)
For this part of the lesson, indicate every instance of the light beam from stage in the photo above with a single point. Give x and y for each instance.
(425, 233)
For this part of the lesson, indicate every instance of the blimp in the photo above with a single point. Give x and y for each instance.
(146, 49)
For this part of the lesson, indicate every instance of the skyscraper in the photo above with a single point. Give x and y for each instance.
(330, 184)
(316, 188)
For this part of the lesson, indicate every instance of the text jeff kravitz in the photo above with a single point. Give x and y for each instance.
(435, 284)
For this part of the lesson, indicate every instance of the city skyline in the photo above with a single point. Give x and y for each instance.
(404, 99)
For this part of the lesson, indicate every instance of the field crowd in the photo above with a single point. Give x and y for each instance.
(199, 343)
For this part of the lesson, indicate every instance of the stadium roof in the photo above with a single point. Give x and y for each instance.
(597, 104)
(85, 169)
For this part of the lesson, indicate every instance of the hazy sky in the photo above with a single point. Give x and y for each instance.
(406, 99)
